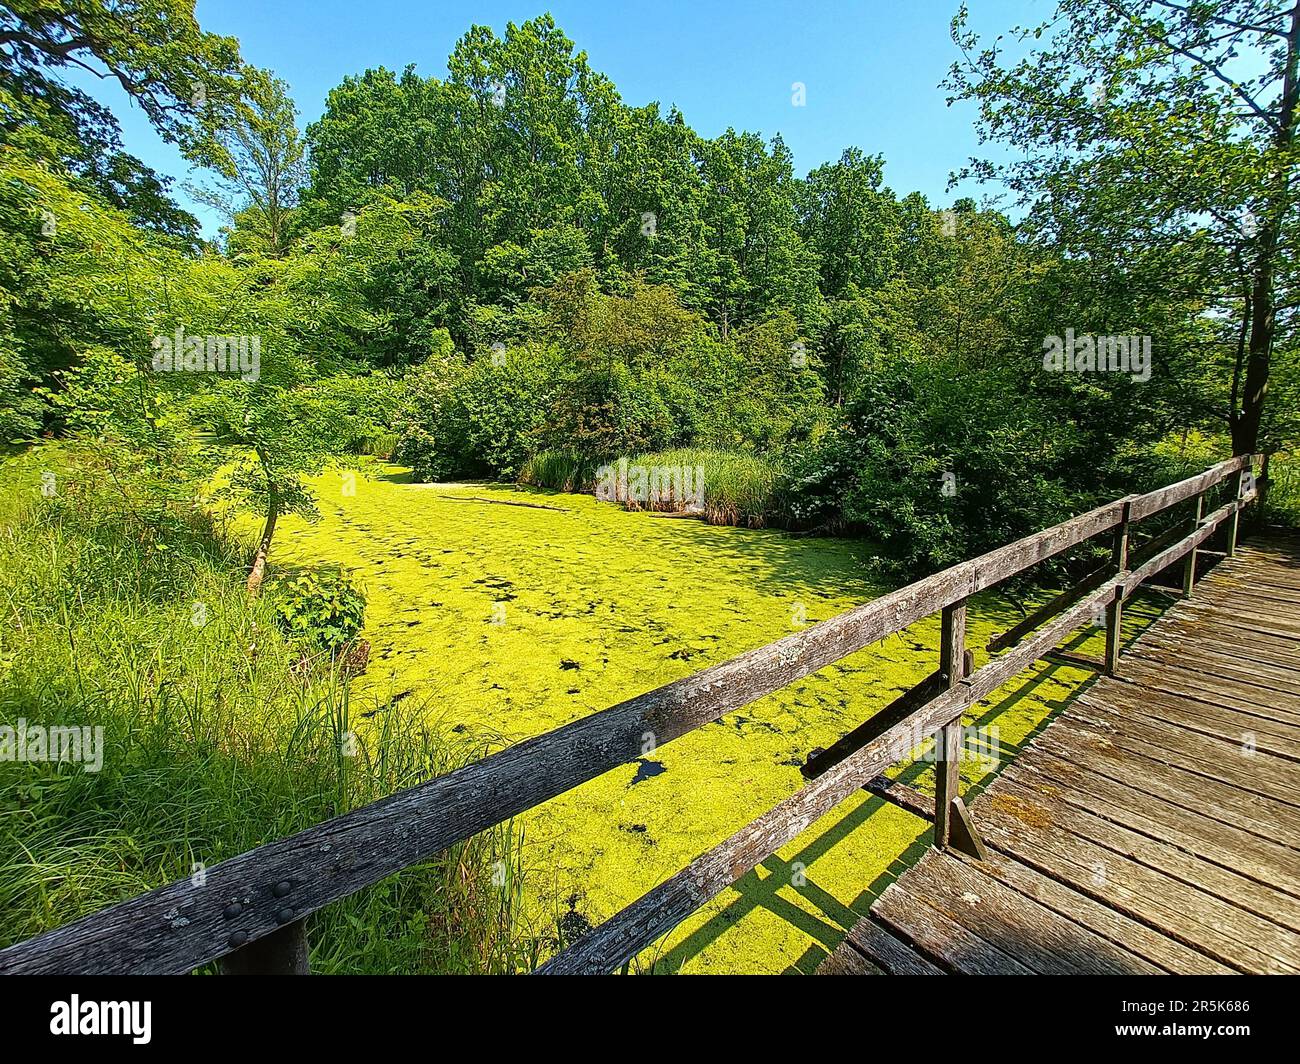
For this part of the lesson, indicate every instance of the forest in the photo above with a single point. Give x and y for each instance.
(511, 277)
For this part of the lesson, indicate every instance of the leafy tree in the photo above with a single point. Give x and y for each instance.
(752, 229)
(153, 49)
(260, 168)
(544, 170)
(286, 426)
(1161, 136)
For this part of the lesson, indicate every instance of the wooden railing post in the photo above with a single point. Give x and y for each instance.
(1261, 488)
(1115, 611)
(282, 952)
(947, 779)
(1189, 566)
(1234, 522)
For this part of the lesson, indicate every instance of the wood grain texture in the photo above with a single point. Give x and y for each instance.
(1139, 831)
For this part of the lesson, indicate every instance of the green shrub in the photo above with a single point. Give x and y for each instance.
(937, 466)
(321, 607)
(598, 413)
(474, 419)
(606, 375)
(378, 444)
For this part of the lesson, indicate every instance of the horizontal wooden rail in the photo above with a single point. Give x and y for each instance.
(903, 796)
(1162, 498)
(820, 760)
(1208, 526)
(1051, 608)
(636, 927)
(179, 927)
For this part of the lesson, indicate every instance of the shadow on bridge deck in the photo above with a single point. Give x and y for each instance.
(1153, 826)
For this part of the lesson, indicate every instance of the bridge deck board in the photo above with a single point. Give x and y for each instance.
(1153, 825)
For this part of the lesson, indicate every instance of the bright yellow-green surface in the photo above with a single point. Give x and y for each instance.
(517, 619)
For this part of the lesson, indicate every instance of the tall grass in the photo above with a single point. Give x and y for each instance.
(134, 619)
(378, 445)
(738, 488)
(560, 472)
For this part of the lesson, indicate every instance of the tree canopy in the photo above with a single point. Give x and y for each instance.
(512, 268)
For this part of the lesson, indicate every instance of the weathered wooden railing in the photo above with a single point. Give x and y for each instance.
(250, 911)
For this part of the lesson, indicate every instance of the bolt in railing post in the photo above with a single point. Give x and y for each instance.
(947, 780)
(1115, 611)
(282, 952)
(1189, 566)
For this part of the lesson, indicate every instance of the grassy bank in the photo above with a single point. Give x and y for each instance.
(131, 617)
(1284, 489)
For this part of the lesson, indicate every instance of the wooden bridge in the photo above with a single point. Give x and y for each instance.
(1150, 827)
(1153, 826)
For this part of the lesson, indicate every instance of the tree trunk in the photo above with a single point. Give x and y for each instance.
(1245, 427)
(258, 573)
(1246, 422)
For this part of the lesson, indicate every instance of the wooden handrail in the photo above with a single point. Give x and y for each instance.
(1162, 498)
(630, 931)
(638, 925)
(179, 927)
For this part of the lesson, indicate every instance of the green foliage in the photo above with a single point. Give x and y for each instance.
(593, 183)
(153, 49)
(601, 413)
(474, 418)
(1283, 503)
(322, 607)
(213, 743)
(1156, 143)
(734, 488)
(610, 375)
(260, 168)
(935, 466)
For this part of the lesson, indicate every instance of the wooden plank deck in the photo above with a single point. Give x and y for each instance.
(1153, 826)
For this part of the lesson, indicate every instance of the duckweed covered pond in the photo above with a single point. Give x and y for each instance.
(515, 610)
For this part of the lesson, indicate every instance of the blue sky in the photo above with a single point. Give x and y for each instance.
(871, 67)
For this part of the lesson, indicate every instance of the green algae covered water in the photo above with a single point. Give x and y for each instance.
(512, 611)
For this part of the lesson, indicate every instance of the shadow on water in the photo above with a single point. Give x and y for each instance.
(829, 924)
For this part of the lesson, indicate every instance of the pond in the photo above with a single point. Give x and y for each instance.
(514, 610)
